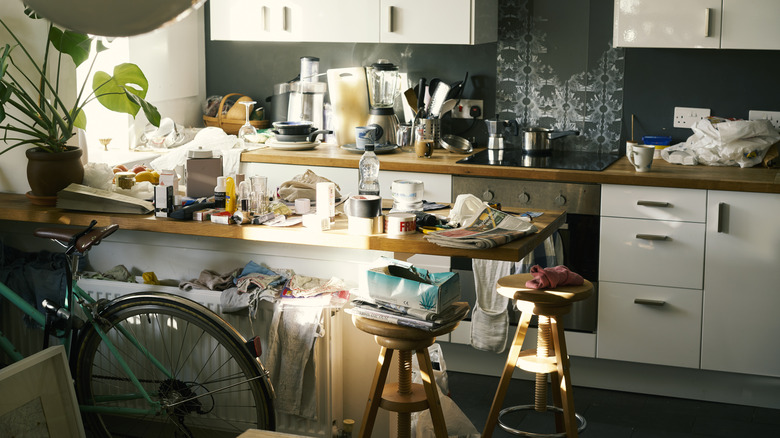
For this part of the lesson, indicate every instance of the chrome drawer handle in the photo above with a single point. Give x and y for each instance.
(653, 204)
(647, 302)
(652, 237)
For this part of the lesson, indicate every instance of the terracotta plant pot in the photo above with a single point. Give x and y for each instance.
(48, 173)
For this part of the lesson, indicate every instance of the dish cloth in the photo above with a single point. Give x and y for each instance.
(553, 277)
(290, 362)
(490, 317)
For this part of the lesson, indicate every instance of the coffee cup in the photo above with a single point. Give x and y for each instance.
(367, 135)
(642, 157)
(363, 206)
(629, 147)
(363, 226)
(423, 147)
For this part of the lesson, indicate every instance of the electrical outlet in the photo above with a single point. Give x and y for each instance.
(772, 116)
(463, 108)
(686, 117)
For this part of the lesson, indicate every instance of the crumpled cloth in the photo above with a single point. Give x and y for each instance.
(256, 280)
(550, 278)
(211, 280)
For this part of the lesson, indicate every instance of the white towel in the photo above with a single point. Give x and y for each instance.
(290, 363)
(490, 316)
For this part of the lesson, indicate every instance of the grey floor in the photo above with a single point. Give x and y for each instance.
(613, 414)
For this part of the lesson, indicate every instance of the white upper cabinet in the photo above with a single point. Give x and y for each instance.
(302, 20)
(713, 24)
(751, 24)
(667, 23)
(438, 21)
(356, 21)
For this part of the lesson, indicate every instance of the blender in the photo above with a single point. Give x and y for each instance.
(384, 85)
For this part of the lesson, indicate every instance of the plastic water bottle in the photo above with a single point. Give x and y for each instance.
(368, 182)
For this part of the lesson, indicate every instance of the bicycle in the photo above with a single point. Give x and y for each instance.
(138, 363)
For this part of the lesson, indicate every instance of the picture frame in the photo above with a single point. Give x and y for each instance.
(39, 398)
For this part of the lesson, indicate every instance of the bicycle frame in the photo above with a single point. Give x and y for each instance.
(82, 298)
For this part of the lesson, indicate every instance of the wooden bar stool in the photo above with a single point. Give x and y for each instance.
(549, 358)
(403, 397)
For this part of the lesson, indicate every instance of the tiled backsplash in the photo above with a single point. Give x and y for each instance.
(563, 92)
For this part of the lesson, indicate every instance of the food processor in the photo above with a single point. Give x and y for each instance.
(384, 85)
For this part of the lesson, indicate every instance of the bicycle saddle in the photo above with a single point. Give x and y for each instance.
(83, 242)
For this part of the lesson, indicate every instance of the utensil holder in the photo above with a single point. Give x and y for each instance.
(430, 129)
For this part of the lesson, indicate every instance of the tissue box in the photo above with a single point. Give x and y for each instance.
(435, 297)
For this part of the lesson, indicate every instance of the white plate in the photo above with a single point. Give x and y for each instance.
(292, 146)
(381, 149)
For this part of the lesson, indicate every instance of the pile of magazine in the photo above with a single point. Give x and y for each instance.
(486, 229)
(408, 317)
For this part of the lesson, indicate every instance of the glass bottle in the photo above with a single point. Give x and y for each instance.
(368, 182)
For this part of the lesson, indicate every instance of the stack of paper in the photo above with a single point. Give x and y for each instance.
(81, 197)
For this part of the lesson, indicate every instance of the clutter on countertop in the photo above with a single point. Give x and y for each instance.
(717, 141)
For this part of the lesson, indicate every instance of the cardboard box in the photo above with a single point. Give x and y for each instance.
(443, 290)
(202, 176)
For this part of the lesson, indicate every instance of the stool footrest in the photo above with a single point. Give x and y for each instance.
(394, 401)
(580, 419)
(528, 361)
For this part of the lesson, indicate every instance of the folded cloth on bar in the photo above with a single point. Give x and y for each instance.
(553, 277)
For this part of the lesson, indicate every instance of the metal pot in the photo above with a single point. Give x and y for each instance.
(300, 138)
(539, 140)
(293, 128)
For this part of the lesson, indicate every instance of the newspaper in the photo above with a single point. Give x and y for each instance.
(487, 229)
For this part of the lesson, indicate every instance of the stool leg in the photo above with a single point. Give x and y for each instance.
(404, 387)
(543, 344)
(432, 393)
(375, 393)
(506, 376)
(564, 385)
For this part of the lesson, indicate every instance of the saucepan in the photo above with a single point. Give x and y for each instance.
(539, 140)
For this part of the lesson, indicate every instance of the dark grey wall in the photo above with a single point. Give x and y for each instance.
(647, 83)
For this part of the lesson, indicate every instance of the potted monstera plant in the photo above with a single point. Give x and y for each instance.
(34, 114)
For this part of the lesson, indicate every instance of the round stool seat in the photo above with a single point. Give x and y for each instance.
(399, 337)
(513, 287)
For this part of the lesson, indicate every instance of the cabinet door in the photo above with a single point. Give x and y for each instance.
(750, 24)
(426, 22)
(649, 324)
(742, 284)
(667, 23)
(295, 20)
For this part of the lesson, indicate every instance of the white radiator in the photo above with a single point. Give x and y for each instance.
(328, 395)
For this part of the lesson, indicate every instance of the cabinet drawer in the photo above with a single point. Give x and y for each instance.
(688, 205)
(649, 324)
(662, 253)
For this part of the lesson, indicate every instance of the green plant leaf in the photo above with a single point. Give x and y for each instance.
(4, 60)
(150, 111)
(75, 45)
(80, 121)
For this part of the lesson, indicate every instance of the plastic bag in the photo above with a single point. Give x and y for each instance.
(303, 186)
(721, 142)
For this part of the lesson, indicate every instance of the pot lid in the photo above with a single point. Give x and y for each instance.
(384, 65)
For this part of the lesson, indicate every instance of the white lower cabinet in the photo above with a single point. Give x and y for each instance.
(649, 324)
(742, 284)
(651, 265)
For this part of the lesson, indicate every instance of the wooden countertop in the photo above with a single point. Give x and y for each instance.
(663, 174)
(18, 208)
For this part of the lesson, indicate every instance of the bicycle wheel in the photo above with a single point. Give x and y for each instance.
(212, 386)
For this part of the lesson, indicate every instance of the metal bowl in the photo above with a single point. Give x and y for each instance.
(456, 144)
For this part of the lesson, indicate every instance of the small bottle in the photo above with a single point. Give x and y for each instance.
(220, 192)
(368, 182)
(230, 195)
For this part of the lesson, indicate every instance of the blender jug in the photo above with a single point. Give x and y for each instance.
(306, 102)
(384, 85)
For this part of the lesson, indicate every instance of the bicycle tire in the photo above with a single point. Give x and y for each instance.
(203, 352)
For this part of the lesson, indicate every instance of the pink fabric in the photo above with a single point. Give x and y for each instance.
(550, 278)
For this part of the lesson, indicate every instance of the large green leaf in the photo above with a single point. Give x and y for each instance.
(6, 52)
(124, 91)
(75, 45)
(150, 111)
(80, 120)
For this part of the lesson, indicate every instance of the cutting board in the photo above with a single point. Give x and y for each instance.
(349, 101)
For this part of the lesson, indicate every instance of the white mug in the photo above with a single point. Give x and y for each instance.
(629, 147)
(642, 157)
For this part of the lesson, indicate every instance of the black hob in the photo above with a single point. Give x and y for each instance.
(557, 159)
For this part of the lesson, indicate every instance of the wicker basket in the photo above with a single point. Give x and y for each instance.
(232, 125)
